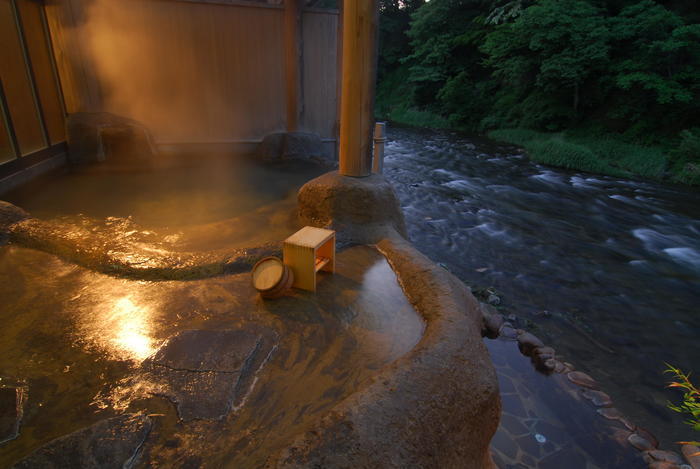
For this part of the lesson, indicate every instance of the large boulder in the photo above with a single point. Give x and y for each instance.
(284, 147)
(101, 136)
(361, 210)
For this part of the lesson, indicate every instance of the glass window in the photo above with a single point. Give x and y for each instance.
(44, 77)
(17, 84)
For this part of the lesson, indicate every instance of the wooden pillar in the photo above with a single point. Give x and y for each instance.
(292, 62)
(359, 70)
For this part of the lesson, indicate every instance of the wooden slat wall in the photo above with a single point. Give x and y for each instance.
(192, 72)
(320, 73)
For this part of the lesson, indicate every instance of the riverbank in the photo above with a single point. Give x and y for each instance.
(607, 154)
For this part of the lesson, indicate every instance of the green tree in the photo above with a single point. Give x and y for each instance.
(655, 70)
(554, 51)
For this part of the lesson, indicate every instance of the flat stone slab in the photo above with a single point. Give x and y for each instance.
(207, 373)
(111, 443)
(11, 409)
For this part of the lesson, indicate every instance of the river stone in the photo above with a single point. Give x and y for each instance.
(598, 398)
(10, 214)
(610, 413)
(508, 331)
(207, 373)
(111, 443)
(660, 455)
(527, 342)
(663, 465)
(492, 324)
(11, 410)
(362, 210)
(487, 308)
(692, 455)
(639, 442)
(647, 435)
(582, 379)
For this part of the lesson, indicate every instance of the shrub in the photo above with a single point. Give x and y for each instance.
(690, 405)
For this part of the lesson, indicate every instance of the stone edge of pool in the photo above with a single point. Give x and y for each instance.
(436, 406)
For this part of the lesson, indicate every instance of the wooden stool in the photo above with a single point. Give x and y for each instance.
(306, 252)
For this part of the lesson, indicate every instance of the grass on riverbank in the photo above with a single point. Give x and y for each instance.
(604, 155)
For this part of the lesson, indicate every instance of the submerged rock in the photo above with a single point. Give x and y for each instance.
(598, 398)
(208, 373)
(582, 379)
(111, 443)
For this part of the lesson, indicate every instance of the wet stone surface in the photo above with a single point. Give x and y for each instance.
(207, 373)
(12, 401)
(111, 443)
(92, 347)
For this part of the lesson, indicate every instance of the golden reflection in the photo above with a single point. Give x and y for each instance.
(128, 329)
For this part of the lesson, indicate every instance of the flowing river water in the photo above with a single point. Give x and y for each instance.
(606, 271)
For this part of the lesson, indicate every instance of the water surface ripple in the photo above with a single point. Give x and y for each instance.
(605, 270)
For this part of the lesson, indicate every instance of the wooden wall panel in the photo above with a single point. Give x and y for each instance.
(319, 76)
(192, 72)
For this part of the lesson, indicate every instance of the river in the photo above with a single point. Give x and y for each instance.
(607, 271)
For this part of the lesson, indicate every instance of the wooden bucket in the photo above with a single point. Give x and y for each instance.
(271, 278)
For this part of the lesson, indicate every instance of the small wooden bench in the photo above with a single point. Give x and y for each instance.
(307, 252)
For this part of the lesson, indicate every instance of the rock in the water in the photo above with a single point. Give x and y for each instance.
(487, 308)
(98, 136)
(640, 442)
(582, 379)
(362, 210)
(610, 413)
(508, 332)
(647, 435)
(598, 398)
(493, 300)
(12, 401)
(543, 353)
(660, 455)
(111, 443)
(492, 324)
(207, 373)
(10, 214)
(663, 465)
(692, 455)
(528, 342)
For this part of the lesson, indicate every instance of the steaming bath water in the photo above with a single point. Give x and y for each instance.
(194, 191)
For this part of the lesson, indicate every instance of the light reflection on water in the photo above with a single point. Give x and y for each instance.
(122, 328)
(132, 331)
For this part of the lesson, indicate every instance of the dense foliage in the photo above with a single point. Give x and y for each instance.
(628, 70)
